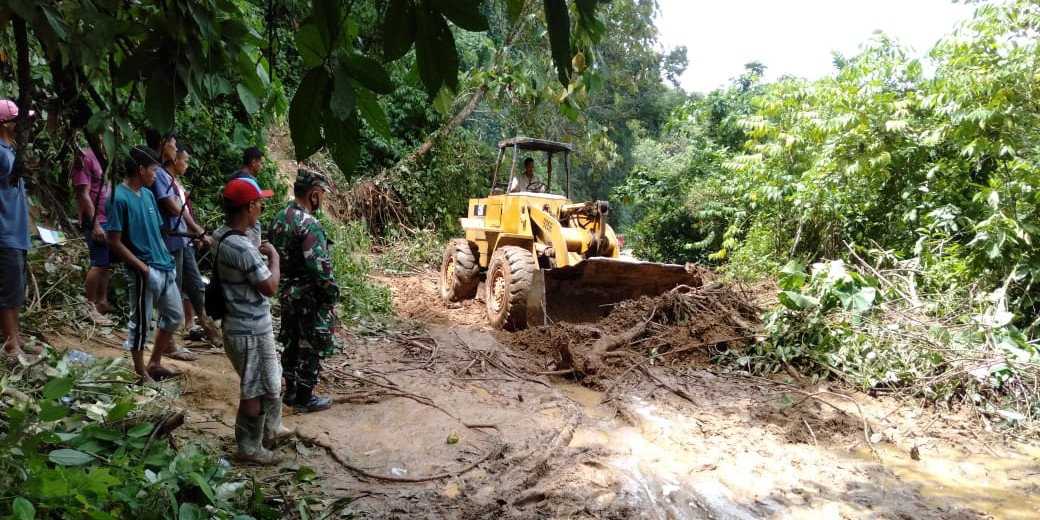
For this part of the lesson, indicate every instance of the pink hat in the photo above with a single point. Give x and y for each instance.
(9, 110)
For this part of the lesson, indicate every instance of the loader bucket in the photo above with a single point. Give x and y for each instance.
(588, 290)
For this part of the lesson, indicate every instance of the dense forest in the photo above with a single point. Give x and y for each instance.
(894, 202)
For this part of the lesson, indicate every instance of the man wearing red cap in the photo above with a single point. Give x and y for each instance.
(14, 236)
(248, 280)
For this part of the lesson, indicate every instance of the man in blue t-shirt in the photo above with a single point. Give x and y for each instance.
(134, 236)
(14, 236)
(177, 219)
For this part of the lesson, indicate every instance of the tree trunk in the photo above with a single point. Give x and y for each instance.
(448, 127)
(22, 122)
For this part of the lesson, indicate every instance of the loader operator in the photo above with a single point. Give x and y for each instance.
(308, 292)
(532, 182)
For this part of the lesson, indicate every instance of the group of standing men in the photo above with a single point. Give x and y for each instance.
(147, 223)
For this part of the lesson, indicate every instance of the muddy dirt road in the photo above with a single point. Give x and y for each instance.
(458, 421)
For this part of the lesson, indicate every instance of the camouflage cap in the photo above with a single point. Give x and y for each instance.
(312, 179)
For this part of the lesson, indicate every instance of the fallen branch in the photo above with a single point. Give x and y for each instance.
(677, 391)
(171, 421)
(493, 452)
(816, 396)
(608, 343)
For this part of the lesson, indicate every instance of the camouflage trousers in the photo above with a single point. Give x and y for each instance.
(306, 334)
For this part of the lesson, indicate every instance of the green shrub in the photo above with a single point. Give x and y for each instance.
(77, 440)
(362, 300)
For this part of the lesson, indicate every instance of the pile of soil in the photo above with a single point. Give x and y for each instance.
(676, 328)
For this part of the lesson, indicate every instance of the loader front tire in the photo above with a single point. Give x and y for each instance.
(459, 271)
(508, 282)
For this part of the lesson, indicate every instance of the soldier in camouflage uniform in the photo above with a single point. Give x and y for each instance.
(308, 291)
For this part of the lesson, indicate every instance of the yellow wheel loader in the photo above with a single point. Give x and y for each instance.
(542, 257)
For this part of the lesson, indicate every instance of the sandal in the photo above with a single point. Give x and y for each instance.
(180, 353)
(95, 315)
(163, 372)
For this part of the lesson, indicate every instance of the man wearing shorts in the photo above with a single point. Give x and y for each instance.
(151, 277)
(14, 236)
(247, 281)
(177, 220)
(91, 194)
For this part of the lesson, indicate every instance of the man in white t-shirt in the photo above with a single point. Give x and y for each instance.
(530, 181)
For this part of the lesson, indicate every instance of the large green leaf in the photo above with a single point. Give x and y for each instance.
(159, 102)
(140, 430)
(249, 100)
(310, 45)
(558, 21)
(119, 411)
(203, 484)
(328, 16)
(57, 387)
(792, 276)
(191, 511)
(797, 301)
(373, 113)
(68, 457)
(22, 509)
(344, 142)
(464, 13)
(514, 8)
(399, 28)
(435, 53)
(305, 113)
(857, 298)
(55, 21)
(368, 72)
(52, 411)
(342, 101)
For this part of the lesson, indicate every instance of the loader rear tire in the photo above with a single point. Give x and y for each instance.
(459, 271)
(508, 282)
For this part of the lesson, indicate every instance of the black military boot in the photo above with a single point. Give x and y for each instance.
(307, 402)
(289, 392)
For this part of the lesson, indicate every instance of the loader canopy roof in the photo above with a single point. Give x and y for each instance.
(544, 166)
(530, 143)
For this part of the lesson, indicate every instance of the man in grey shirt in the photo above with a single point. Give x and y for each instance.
(248, 281)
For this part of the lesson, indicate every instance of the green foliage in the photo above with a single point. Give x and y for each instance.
(148, 57)
(893, 336)
(815, 324)
(362, 300)
(436, 193)
(324, 111)
(410, 253)
(77, 442)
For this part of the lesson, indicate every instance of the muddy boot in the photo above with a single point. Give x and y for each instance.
(249, 432)
(274, 430)
(289, 394)
(213, 333)
(307, 402)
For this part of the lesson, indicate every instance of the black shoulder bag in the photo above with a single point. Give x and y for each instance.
(216, 305)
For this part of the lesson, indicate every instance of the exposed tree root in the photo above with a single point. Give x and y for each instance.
(495, 451)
